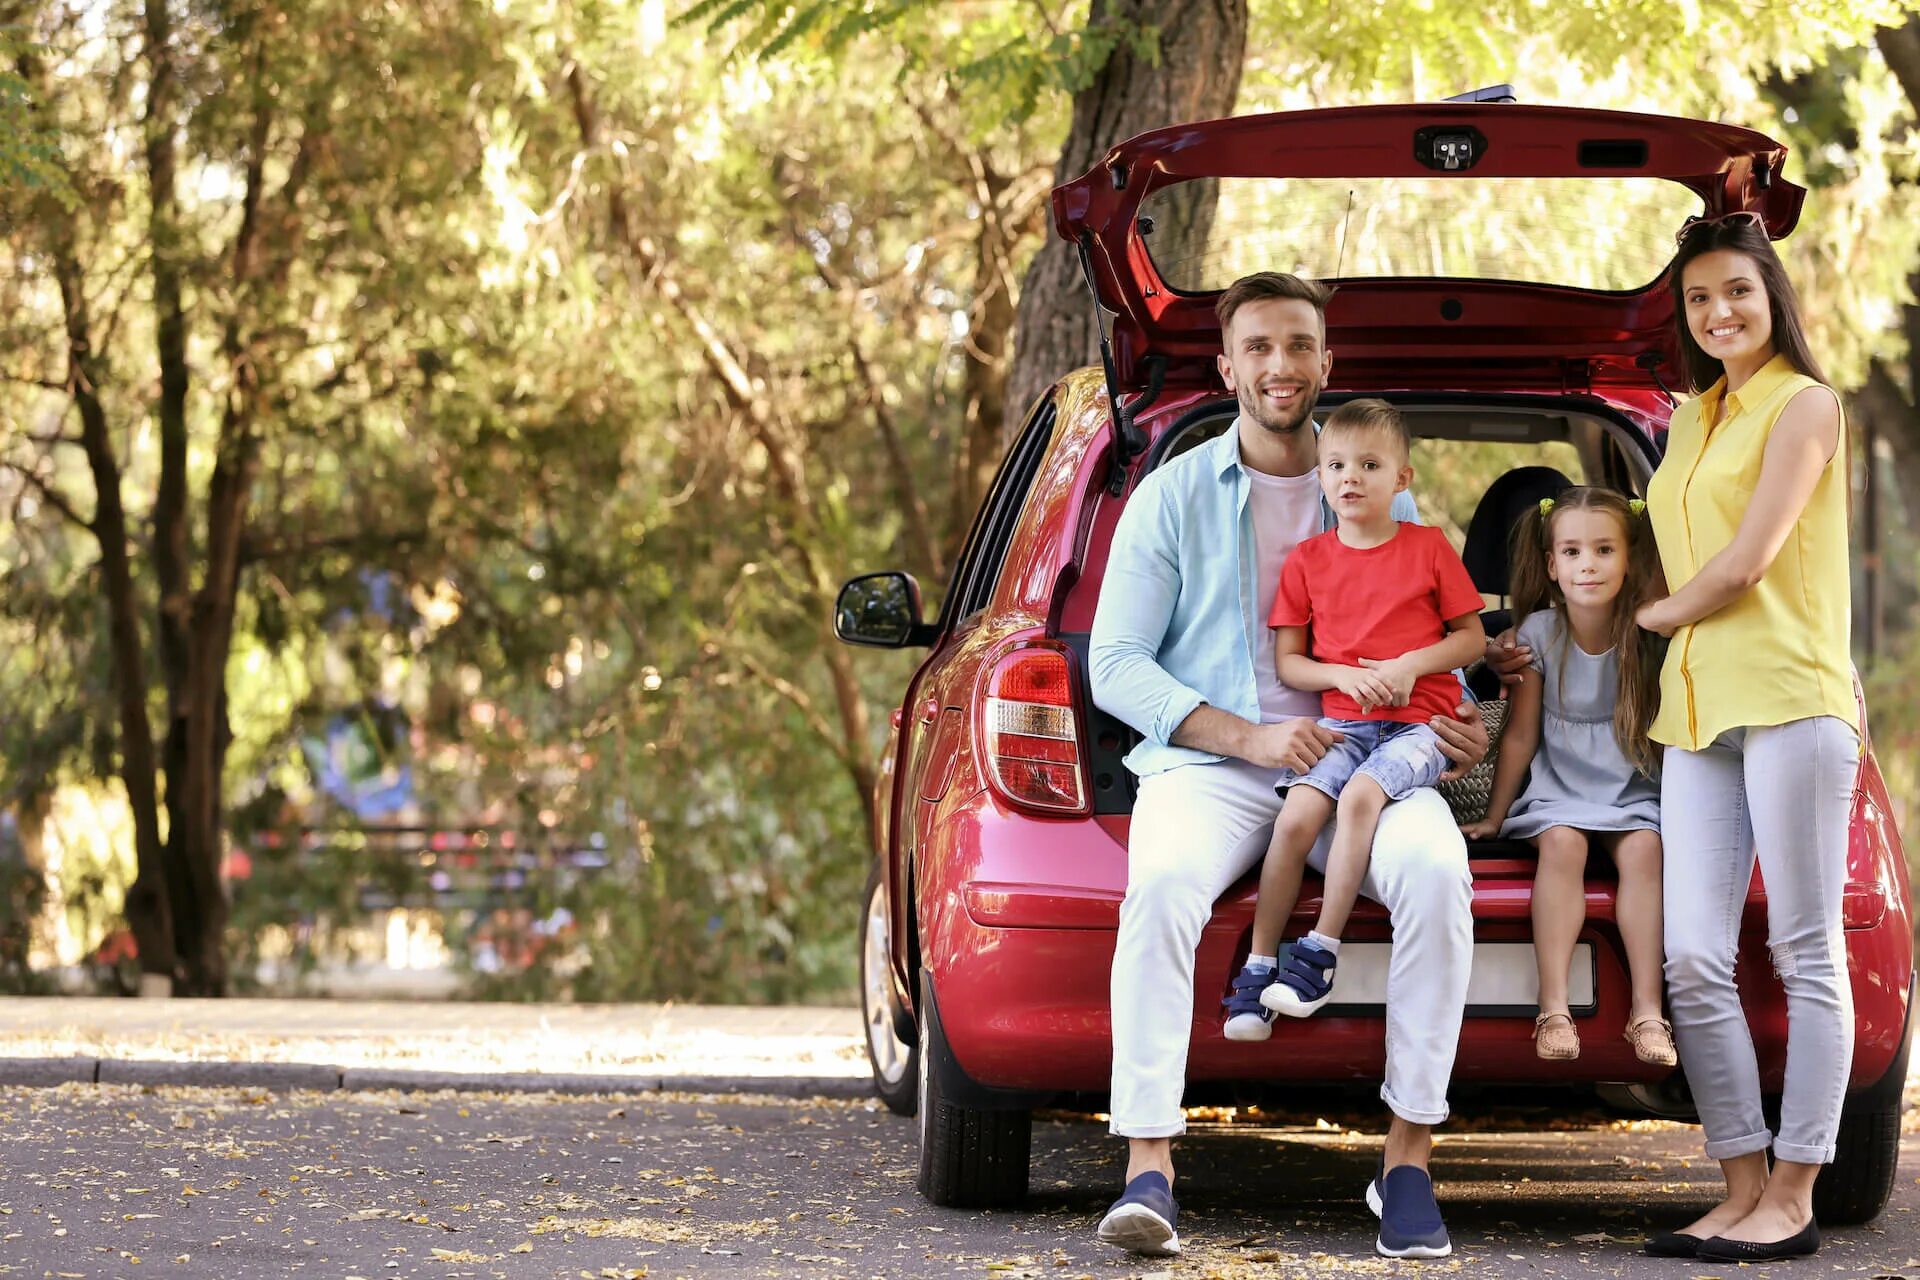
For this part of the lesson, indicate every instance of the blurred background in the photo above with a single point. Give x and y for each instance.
(432, 433)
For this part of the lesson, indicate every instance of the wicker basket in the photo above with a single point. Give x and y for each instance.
(1468, 796)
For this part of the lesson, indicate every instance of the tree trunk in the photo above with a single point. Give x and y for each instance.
(1202, 47)
(149, 902)
(171, 517)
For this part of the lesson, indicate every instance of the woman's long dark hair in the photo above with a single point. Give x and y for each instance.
(1789, 334)
(1638, 653)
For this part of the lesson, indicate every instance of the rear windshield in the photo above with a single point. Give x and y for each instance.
(1612, 234)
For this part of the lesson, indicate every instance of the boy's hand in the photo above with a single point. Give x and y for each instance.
(1397, 675)
(1463, 741)
(1368, 688)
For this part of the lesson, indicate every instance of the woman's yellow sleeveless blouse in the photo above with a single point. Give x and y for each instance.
(1779, 652)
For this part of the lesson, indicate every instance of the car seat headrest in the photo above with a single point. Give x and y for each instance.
(1490, 533)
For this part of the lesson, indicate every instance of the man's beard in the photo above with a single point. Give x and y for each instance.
(1283, 419)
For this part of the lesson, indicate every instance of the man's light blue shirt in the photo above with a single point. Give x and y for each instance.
(1175, 626)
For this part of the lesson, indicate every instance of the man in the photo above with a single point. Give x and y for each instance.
(1181, 652)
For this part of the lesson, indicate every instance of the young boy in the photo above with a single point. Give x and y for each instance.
(1375, 615)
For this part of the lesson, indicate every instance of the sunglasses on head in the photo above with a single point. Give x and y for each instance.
(1734, 219)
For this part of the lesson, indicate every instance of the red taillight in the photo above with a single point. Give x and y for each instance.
(1029, 736)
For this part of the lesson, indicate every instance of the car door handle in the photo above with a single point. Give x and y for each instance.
(929, 711)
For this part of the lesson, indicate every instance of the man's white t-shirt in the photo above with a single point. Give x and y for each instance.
(1286, 512)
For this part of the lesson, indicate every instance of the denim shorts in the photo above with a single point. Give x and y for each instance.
(1400, 756)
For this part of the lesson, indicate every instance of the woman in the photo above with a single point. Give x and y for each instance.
(1757, 715)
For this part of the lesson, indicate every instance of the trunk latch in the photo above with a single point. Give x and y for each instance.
(1449, 150)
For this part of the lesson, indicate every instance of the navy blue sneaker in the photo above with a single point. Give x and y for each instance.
(1142, 1219)
(1247, 1018)
(1410, 1225)
(1304, 982)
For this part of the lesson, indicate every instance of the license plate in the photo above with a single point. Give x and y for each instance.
(1505, 982)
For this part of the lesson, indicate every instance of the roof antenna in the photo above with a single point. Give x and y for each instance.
(1345, 222)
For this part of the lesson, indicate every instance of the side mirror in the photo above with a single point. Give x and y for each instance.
(881, 610)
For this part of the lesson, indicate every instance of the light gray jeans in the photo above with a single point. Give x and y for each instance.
(1198, 828)
(1782, 792)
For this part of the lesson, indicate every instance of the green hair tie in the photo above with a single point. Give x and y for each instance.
(1546, 506)
(1637, 505)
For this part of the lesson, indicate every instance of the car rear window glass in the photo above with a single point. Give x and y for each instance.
(1597, 233)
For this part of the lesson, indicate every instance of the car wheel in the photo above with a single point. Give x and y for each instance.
(894, 1061)
(1855, 1187)
(970, 1157)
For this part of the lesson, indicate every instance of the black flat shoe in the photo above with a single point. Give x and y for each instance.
(1803, 1243)
(1673, 1244)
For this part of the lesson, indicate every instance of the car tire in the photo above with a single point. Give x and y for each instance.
(970, 1157)
(894, 1060)
(1855, 1187)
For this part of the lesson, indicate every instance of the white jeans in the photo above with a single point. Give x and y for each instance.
(1782, 793)
(1200, 827)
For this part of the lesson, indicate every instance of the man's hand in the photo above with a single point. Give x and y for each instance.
(1508, 658)
(1368, 688)
(1463, 741)
(1295, 744)
(1652, 616)
(1396, 674)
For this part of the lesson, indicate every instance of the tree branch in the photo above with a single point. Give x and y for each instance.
(919, 523)
(48, 494)
(799, 698)
(45, 384)
(253, 551)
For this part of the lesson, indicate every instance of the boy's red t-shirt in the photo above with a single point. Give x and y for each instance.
(1378, 603)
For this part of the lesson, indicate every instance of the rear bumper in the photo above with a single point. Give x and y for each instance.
(1023, 972)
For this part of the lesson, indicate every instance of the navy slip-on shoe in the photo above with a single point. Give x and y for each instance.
(1803, 1243)
(1410, 1225)
(1672, 1244)
(1142, 1220)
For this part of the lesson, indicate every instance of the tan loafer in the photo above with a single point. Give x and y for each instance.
(1652, 1041)
(1555, 1037)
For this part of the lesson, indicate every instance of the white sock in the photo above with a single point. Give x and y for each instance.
(1320, 939)
(1269, 962)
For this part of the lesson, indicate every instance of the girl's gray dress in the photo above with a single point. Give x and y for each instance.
(1579, 777)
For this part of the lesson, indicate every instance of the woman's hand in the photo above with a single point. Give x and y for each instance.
(1653, 616)
(1508, 658)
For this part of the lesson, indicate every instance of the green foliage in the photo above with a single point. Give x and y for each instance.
(29, 151)
(1008, 59)
(556, 487)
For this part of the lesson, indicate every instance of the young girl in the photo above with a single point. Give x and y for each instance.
(1582, 563)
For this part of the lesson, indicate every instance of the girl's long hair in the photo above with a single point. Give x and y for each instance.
(1783, 304)
(1638, 653)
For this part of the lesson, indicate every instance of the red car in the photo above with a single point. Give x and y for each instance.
(1523, 329)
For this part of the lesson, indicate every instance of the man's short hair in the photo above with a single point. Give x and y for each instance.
(1369, 414)
(1265, 285)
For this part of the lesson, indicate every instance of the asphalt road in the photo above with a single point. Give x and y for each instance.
(102, 1181)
